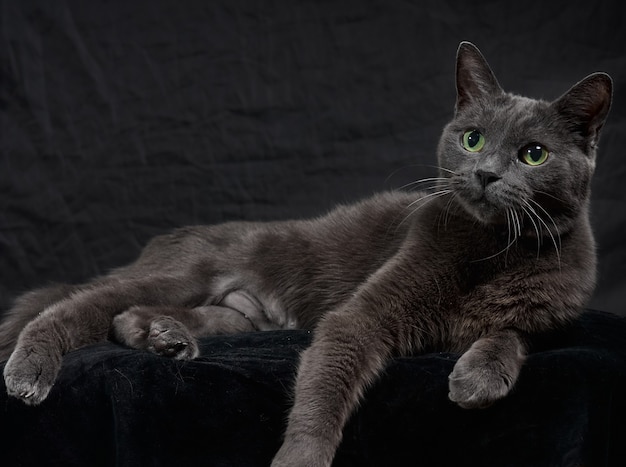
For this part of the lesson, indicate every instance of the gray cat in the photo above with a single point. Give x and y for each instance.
(498, 247)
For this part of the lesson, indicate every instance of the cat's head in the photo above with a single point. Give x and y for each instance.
(513, 160)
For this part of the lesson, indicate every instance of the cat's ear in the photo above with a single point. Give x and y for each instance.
(586, 105)
(474, 78)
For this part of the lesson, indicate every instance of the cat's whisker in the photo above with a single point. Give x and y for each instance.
(554, 242)
(504, 250)
(530, 216)
(551, 196)
(517, 225)
(514, 232)
(395, 172)
(435, 180)
(426, 199)
(445, 170)
(430, 195)
(443, 216)
(447, 210)
(517, 229)
(508, 224)
(556, 229)
(509, 217)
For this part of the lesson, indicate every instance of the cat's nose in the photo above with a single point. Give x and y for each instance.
(485, 177)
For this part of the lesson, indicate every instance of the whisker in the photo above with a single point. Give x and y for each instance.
(551, 196)
(529, 214)
(513, 221)
(508, 224)
(554, 242)
(424, 180)
(396, 171)
(426, 199)
(447, 209)
(429, 195)
(556, 229)
(518, 220)
(509, 219)
(506, 248)
(513, 228)
(445, 170)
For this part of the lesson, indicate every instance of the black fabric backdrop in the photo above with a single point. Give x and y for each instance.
(121, 120)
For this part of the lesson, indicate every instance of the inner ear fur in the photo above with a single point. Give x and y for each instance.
(586, 105)
(474, 78)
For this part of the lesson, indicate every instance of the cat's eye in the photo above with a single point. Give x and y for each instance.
(534, 154)
(473, 140)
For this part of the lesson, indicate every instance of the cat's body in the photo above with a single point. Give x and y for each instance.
(501, 247)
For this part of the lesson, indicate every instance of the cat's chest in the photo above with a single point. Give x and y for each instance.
(463, 262)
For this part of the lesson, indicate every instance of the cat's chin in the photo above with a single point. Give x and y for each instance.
(485, 213)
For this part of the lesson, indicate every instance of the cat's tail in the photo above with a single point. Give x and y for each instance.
(24, 310)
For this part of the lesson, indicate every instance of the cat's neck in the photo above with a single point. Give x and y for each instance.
(454, 229)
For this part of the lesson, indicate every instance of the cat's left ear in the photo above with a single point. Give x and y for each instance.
(586, 105)
(474, 78)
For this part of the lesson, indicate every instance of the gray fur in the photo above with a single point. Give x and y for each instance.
(492, 251)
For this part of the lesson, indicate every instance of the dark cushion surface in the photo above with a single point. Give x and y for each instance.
(119, 407)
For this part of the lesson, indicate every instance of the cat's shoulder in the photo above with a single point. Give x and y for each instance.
(378, 204)
(381, 210)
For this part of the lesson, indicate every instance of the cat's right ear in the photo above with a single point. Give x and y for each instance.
(474, 78)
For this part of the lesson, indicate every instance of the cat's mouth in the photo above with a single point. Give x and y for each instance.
(488, 205)
(485, 211)
(511, 211)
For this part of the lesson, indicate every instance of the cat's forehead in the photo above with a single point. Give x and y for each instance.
(514, 110)
(509, 113)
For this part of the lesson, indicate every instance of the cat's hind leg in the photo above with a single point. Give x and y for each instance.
(172, 331)
(82, 318)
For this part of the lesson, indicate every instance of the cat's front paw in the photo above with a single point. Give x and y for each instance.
(170, 338)
(478, 380)
(29, 375)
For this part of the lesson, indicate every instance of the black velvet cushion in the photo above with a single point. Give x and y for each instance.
(118, 407)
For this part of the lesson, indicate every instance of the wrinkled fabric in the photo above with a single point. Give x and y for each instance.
(117, 407)
(121, 120)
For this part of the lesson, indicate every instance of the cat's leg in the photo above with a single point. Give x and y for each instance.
(347, 354)
(26, 308)
(172, 331)
(488, 370)
(81, 319)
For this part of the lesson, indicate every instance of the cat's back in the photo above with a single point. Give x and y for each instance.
(367, 226)
(380, 221)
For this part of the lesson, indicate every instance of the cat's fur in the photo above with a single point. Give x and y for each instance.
(497, 249)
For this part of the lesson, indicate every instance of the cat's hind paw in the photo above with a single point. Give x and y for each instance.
(170, 338)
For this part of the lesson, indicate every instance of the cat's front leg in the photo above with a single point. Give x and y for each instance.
(488, 370)
(347, 354)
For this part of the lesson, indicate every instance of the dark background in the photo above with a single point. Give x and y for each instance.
(123, 119)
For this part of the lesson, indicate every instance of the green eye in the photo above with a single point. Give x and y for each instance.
(473, 140)
(534, 154)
